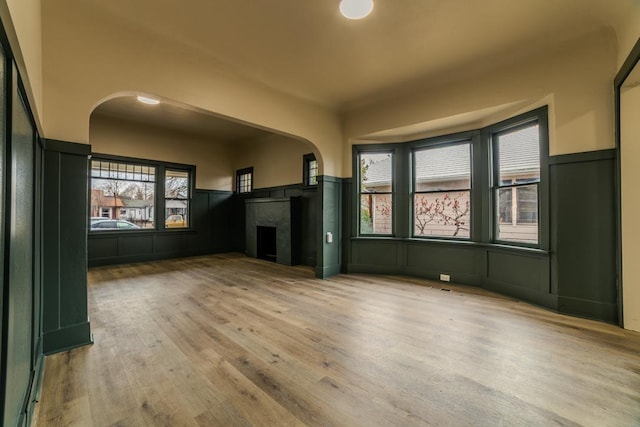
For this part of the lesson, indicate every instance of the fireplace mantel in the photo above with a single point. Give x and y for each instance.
(285, 215)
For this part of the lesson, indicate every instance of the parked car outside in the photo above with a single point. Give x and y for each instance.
(175, 221)
(112, 224)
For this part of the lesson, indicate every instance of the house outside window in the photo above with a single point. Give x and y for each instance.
(517, 174)
(442, 191)
(309, 170)
(244, 180)
(177, 198)
(122, 191)
(376, 192)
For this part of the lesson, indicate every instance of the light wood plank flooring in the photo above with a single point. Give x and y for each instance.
(226, 340)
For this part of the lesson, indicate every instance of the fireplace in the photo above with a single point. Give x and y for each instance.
(274, 229)
(267, 247)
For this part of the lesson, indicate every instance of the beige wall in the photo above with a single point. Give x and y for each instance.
(276, 160)
(630, 154)
(576, 79)
(23, 24)
(90, 58)
(628, 31)
(627, 26)
(213, 159)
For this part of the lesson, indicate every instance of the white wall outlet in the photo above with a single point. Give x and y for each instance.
(329, 237)
(445, 277)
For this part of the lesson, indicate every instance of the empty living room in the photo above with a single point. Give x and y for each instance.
(336, 213)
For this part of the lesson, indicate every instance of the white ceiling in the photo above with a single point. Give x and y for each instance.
(308, 50)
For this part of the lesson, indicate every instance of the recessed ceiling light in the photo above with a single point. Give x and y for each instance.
(146, 100)
(356, 9)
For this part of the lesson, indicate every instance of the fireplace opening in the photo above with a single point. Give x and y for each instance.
(267, 248)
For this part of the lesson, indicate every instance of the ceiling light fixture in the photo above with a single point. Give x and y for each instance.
(146, 100)
(356, 9)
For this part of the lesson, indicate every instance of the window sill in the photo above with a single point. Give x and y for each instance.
(139, 232)
(451, 242)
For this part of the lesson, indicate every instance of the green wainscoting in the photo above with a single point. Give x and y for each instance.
(576, 276)
(211, 232)
(65, 311)
(583, 238)
(329, 260)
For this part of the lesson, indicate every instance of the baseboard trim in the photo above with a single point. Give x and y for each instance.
(607, 312)
(67, 338)
(322, 272)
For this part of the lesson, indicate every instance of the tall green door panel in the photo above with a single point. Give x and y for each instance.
(20, 315)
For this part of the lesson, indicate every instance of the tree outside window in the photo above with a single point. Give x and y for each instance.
(442, 191)
(122, 191)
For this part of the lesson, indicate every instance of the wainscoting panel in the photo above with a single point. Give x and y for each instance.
(432, 260)
(210, 233)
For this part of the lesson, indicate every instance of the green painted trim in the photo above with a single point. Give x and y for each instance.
(587, 156)
(67, 338)
(67, 147)
(36, 388)
(627, 66)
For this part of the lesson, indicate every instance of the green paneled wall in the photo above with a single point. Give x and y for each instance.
(577, 276)
(211, 232)
(584, 234)
(65, 313)
(329, 253)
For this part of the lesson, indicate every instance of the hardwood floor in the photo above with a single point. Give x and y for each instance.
(226, 340)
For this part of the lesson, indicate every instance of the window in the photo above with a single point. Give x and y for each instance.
(244, 180)
(517, 174)
(122, 191)
(177, 197)
(442, 191)
(489, 185)
(309, 170)
(376, 192)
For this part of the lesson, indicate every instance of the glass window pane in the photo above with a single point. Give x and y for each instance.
(442, 214)
(519, 155)
(177, 214)
(176, 184)
(375, 172)
(505, 206)
(376, 214)
(176, 190)
(312, 172)
(527, 204)
(525, 228)
(115, 195)
(443, 168)
(244, 183)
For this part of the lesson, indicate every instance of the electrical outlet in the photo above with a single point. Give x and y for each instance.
(329, 237)
(445, 277)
